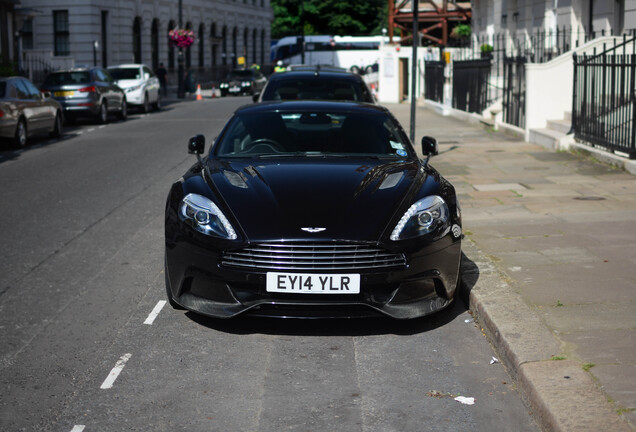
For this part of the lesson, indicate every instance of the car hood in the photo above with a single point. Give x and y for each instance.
(352, 199)
(125, 83)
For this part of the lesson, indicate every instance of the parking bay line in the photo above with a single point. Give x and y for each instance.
(155, 312)
(78, 428)
(114, 373)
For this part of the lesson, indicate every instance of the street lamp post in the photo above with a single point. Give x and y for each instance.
(95, 47)
(416, 41)
(180, 88)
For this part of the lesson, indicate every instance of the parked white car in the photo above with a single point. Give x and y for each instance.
(140, 84)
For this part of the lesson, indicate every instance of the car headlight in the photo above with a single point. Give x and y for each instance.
(246, 84)
(133, 88)
(206, 217)
(423, 217)
(224, 85)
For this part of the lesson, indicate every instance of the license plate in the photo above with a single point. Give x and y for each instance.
(64, 93)
(308, 283)
(235, 89)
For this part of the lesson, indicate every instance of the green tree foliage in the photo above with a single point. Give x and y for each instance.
(335, 17)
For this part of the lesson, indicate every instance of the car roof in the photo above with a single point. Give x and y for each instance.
(127, 65)
(323, 74)
(317, 105)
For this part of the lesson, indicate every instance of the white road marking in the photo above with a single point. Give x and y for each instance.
(78, 428)
(155, 312)
(90, 130)
(112, 376)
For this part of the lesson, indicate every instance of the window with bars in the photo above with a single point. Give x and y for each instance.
(27, 34)
(61, 33)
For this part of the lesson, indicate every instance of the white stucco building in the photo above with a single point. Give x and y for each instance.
(597, 17)
(107, 32)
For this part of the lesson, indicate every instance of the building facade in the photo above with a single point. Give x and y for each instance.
(591, 17)
(108, 32)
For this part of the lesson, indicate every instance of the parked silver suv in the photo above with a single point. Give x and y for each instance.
(87, 92)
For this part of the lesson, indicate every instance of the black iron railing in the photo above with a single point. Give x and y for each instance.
(604, 99)
(514, 92)
(434, 80)
(35, 69)
(470, 85)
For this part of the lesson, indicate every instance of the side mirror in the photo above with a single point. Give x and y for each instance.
(146, 75)
(45, 94)
(255, 96)
(429, 146)
(196, 145)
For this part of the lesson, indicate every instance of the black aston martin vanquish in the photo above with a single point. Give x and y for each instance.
(312, 209)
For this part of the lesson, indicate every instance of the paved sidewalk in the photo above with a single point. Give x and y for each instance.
(549, 268)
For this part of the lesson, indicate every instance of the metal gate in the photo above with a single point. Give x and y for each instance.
(514, 97)
(434, 80)
(604, 102)
(470, 84)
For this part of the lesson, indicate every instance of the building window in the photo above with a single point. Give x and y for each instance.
(137, 39)
(104, 38)
(171, 25)
(27, 34)
(201, 46)
(262, 47)
(188, 50)
(155, 43)
(61, 33)
(213, 43)
(224, 45)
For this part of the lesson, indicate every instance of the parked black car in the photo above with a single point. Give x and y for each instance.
(315, 82)
(25, 111)
(312, 209)
(242, 81)
(87, 92)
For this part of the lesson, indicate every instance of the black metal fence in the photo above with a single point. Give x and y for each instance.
(604, 102)
(508, 52)
(35, 69)
(470, 85)
(514, 92)
(434, 80)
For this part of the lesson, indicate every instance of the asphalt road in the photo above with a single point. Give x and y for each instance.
(81, 273)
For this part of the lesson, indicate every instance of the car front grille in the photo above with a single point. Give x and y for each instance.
(312, 256)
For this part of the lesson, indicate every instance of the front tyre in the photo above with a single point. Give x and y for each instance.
(57, 127)
(123, 111)
(145, 107)
(20, 136)
(102, 115)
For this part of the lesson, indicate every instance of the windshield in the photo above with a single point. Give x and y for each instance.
(314, 88)
(240, 74)
(313, 133)
(64, 78)
(124, 73)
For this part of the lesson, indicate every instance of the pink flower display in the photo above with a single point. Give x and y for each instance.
(181, 38)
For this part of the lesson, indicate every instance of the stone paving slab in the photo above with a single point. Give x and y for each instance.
(549, 270)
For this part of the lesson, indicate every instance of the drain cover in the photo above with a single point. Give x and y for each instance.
(589, 198)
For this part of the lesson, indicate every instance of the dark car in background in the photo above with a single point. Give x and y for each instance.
(242, 82)
(315, 82)
(87, 92)
(25, 111)
(312, 209)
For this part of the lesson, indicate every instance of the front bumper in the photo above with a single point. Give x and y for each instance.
(198, 281)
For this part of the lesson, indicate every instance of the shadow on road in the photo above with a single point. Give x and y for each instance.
(331, 327)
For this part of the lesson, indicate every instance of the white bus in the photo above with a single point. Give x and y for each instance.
(356, 53)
